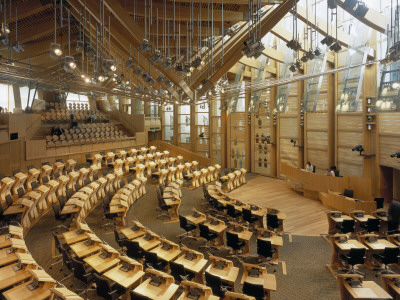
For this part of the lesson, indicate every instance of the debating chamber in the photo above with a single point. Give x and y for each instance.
(199, 149)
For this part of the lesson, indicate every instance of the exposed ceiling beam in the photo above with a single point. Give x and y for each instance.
(183, 13)
(372, 18)
(28, 9)
(135, 35)
(233, 51)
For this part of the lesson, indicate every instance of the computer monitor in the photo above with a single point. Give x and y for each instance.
(348, 193)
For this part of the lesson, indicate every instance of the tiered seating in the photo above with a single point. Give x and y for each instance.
(81, 112)
(22, 278)
(86, 133)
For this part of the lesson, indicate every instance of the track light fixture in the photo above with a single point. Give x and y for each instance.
(109, 66)
(178, 67)
(144, 47)
(392, 55)
(335, 47)
(168, 64)
(328, 40)
(356, 7)
(294, 45)
(137, 71)
(310, 54)
(160, 78)
(80, 46)
(156, 57)
(317, 52)
(304, 58)
(197, 62)
(17, 47)
(69, 64)
(293, 68)
(129, 63)
(253, 47)
(55, 51)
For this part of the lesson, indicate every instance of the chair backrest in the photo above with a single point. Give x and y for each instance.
(264, 248)
(56, 241)
(56, 175)
(272, 221)
(56, 210)
(95, 177)
(247, 215)
(102, 286)
(177, 270)
(69, 193)
(183, 222)
(204, 231)
(121, 184)
(347, 226)
(230, 210)
(215, 283)
(151, 258)
(373, 224)
(232, 240)
(86, 181)
(160, 186)
(255, 290)
(66, 257)
(34, 184)
(390, 255)
(357, 256)
(133, 249)
(88, 156)
(379, 202)
(20, 192)
(117, 238)
(137, 296)
(79, 269)
(9, 200)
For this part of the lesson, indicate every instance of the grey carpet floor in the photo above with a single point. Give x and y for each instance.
(305, 257)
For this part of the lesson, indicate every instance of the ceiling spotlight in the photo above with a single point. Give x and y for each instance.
(395, 85)
(317, 52)
(80, 46)
(55, 51)
(310, 54)
(129, 63)
(144, 46)
(293, 68)
(197, 62)
(69, 64)
(113, 68)
(5, 29)
(156, 57)
(253, 47)
(179, 67)
(393, 54)
(335, 47)
(17, 47)
(294, 45)
(87, 79)
(328, 40)
(298, 64)
(168, 64)
(160, 78)
(90, 52)
(304, 58)
(101, 78)
(137, 71)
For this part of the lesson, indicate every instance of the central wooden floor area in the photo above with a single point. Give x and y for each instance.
(303, 216)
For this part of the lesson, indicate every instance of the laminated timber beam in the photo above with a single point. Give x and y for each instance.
(136, 35)
(233, 51)
(372, 18)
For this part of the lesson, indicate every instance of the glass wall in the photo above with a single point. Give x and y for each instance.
(184, 126)
(168, 123)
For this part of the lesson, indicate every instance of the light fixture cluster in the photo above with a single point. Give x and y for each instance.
(357, 7)
(392, 55)
(253, 47)
(145, 46)
(395, 155)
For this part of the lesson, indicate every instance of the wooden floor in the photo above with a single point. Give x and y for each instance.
(303, 216)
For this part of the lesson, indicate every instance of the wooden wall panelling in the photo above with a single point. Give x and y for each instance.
(349, 134)
(317, 140)
(389, 138)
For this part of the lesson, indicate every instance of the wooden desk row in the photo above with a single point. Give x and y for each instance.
(223, 199)
(336, 219)
(21, 275)
(342, 244)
